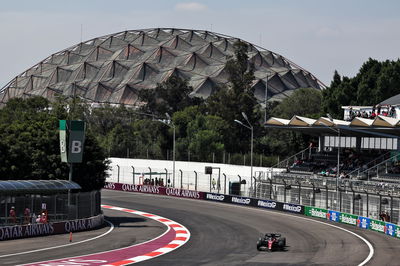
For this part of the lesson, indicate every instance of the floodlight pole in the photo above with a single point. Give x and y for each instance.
(338, 165)
(250, 127)
(172, 125)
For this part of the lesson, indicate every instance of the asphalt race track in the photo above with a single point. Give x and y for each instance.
(221, 234)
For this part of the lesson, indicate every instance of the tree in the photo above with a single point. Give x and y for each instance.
(303, 102)
(375, 82)
(229, 102)
(29, 135)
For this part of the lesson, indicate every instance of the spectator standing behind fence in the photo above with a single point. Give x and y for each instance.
(13, 215)
(27, 215)
(33, 218)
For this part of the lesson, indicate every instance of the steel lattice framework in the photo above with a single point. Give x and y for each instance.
(113, 68)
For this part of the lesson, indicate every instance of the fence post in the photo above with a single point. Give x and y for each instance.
(326, 196)
(149, 175)
(366, 192)
(255, 187)
(118, 173)
(380, 204)
(298, 182)
(77, 204)
(313, 198)
(284, 190)
(270, 188)
(210, 181)
(181, 178)
(219, 179)
(224, 183)
(195, 180)
(391, 208)
(166, 177)
(353, 200)
(133, 175)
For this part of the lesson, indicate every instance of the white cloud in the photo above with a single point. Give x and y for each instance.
(190, 6)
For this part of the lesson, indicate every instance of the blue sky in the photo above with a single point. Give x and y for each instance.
(318, 35)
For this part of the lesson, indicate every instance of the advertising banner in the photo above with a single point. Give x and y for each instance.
(293, 208)
(270, 204)
(316, 212)
(348, 219)
(42, 229)
(334, 216)
(363, 222)
(241, 200)
(378, 226)
(397, 231)
(218, 197)
(159, 190)
(390, 229)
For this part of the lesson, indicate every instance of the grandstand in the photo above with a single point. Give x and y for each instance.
(113, 68)
(354, 168)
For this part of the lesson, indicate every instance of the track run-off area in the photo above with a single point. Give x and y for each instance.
(220, 234)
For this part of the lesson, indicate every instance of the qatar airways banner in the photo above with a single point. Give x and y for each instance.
(159, 190)
(42, 229)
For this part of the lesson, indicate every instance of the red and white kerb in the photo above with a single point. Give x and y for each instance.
(182, 235)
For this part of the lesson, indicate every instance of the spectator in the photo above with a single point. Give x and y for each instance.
(13, 215)
(33, 218)
(392, 112)
(43, 217)
(351, 113)
(378, 108)
(27, 215)
(213, 183)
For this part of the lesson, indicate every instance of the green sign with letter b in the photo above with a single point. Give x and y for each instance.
(72, 138)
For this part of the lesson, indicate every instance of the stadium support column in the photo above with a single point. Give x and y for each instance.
(321, 143)
(358, 144)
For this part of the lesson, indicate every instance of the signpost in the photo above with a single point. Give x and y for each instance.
(72, 132)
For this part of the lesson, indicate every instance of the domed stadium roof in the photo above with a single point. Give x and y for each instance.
(113, 68)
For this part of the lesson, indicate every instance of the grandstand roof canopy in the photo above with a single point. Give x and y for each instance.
(381, 126)
(395, 100)
(36, 186)
(113, 68)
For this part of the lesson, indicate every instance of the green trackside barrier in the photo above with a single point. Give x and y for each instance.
(315, 212)
(378, 226)
(397, 234)
(348, 219)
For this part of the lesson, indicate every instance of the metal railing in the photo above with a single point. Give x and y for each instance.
(377, 169)
(368, 199)
(370, 164)
(303, 154)
(364, 198)
(82, 205)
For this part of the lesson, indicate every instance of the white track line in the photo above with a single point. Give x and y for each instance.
(61, 246)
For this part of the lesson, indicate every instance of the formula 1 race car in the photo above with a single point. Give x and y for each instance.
(271, 242)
